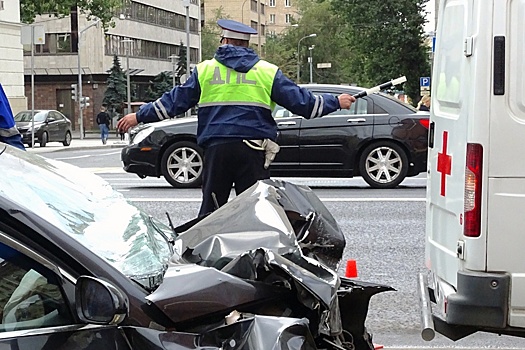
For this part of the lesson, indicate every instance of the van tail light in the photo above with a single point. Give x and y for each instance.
(425, 122)
(472, 206)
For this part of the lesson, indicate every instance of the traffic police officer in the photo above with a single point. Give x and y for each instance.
(8, 132)
(236, 92)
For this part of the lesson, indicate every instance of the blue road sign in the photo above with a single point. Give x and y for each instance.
(424, 81)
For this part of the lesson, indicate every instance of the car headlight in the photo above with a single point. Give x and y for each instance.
(36, 128)
(142, 134)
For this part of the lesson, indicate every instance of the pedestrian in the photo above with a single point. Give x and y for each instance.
(103, 121)
(120, 131)
(424, 103)
(8, 132)
(236, 92)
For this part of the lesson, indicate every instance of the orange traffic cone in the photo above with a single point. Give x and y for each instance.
(351, 269)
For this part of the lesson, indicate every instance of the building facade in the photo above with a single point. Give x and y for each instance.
(147, 36)
(11, 57)
(268, 17)
(280, 14)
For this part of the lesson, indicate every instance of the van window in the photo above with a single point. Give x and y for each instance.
(448, 77)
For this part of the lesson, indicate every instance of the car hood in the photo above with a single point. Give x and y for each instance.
(171, 122)
(270, 246)
(27, 124)
(220, 259)
(86, 208)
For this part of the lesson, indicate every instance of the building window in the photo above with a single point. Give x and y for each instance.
(272, 3)
(253, 24)
(54, 43)
(253, 5)
(287, 3)
(272, 18)
(263, 29)
(288, 18)
(272, 34)
(262, 9)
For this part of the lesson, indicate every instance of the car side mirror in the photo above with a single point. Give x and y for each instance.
(100, 302)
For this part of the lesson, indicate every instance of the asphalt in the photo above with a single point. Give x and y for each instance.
(91, 140)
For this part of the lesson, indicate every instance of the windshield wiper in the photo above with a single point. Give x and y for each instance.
(169, 240)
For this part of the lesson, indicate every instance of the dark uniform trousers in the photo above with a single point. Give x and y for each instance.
(228, 164)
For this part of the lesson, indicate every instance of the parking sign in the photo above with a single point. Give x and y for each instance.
(424, 81)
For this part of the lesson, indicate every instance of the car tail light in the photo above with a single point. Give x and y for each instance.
(472, 205)
(425, 122)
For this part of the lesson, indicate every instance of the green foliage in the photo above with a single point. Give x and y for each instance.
(386, 38)
(211, 34)
(162, 83)
(331, 44)
(116, 91)
(103, 9)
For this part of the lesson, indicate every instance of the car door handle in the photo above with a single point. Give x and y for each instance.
(356, 120)
(286, 123)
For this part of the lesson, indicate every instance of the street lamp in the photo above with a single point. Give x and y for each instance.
(79, 95)
(242, 11)
(174, 64)
(298, 55)
(128, 84)
(311, 48)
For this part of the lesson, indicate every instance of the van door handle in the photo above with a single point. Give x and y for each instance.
(286, 123)
(356, 120)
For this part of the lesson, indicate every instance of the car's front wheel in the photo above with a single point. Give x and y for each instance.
(67, 139)
(383, 164)
(181, 164)
(43, 139)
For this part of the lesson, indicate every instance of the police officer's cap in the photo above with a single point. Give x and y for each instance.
(235, 30)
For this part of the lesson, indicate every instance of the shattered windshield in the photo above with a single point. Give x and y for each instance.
(86, 208)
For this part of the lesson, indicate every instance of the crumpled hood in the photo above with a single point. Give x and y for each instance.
(240, 59)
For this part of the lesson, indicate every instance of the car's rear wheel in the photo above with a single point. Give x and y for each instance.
(383, 164)
(67, 139)
(181, 164)
(43, 139)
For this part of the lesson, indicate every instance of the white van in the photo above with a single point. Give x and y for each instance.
(475, 229)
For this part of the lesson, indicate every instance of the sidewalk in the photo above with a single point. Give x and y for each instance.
(90, 141)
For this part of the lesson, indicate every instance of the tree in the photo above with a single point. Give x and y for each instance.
(161, 83)
(211, 34)
(331, 43)
(386, 41)
(103, 9)
(116, 91)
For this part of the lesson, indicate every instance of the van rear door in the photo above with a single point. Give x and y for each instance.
(454, 121)
(506, 159)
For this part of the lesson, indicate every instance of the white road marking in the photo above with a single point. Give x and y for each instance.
(139, 199)
(88, 155)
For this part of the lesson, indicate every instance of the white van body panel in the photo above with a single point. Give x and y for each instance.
(466, 109)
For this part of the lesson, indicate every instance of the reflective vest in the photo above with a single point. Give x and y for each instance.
(220, 85)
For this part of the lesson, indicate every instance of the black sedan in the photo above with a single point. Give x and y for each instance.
(82, 268)
(380, 138)
(49, 126)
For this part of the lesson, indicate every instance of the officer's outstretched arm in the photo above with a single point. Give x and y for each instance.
(301, 101)
(172, 103)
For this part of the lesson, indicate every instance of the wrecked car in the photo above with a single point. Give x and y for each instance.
(81, 267)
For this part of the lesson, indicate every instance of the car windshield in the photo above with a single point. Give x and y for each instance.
(25, 116)
(86, 208)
